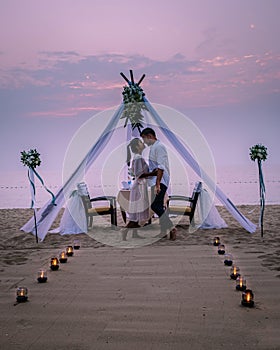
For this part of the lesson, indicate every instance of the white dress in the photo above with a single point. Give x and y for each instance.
(139, 200)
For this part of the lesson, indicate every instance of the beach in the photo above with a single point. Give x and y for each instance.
(143, 297)
(14, 243)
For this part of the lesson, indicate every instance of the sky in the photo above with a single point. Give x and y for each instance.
(215, 61)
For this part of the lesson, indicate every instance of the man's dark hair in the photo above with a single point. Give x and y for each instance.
(148, 131)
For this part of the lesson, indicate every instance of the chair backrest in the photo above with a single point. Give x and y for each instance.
(86, 202)
(196, 192)
(84, 195)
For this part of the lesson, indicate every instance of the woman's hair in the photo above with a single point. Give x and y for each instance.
(134, 143)
(133, 147)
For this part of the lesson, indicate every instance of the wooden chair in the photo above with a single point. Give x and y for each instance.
(187, 210)
(109, 208)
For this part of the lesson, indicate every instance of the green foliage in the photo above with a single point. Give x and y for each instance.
(133, 98)
(258, 152)
(30, 158)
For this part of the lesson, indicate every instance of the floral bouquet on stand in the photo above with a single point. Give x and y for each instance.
(31, 159)
(259, 153)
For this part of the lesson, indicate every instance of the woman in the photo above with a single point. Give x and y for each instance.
(138, 211)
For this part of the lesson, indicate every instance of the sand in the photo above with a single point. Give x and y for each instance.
(164, 295)
(14, 243)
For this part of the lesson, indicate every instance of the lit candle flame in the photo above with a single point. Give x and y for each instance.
(21, 294)
(54, 262)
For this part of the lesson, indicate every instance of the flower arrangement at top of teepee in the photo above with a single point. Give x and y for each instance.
(133, 93)
(133, 99)
(259, 153)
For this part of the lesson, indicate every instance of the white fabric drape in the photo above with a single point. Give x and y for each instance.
(74, 220)
(47, 214)
(206, 214)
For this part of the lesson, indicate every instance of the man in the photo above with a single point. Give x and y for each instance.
(159, 179)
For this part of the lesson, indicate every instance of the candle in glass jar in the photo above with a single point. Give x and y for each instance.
(228, 260)
(247, 298)
(62, 257)
(42, 276)
(69, 251)
(221, 249)
(216, 241)
(240, 283)
(234, 272)
(22, 294)
(77, 244)
(54, 264)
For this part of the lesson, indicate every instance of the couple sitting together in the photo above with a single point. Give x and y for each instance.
(157, 176)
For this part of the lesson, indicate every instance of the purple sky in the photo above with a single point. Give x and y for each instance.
(217, 61)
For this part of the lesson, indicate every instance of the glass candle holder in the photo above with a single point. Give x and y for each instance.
(76, 244)
(54, 264)
(22, 294)
(63, 257)
(234, 272)
(240, 283)
(247, 298)
(69, 251)
(221, 249)
(228, 260)
(42, 276)
(216, 241)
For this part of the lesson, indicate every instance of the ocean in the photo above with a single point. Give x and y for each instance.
(239, 183)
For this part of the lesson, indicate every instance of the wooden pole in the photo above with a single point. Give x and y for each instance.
(125, 78)
(262, 200)
(140, 81)
(131, 76)
(35, 221)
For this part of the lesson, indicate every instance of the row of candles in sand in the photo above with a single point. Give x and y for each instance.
(22, 292)
(247, 294)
